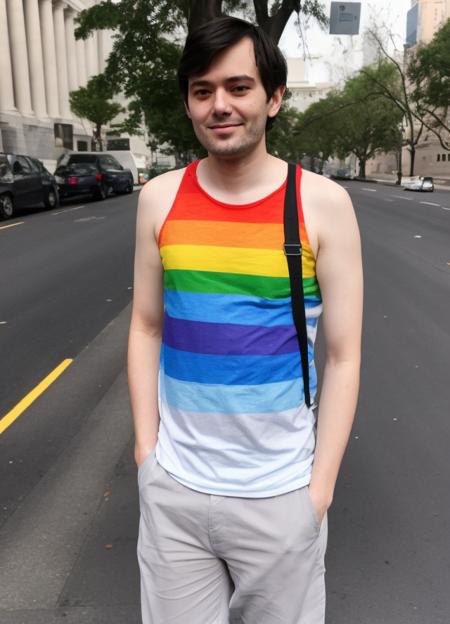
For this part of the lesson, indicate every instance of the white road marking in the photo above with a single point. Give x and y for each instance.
(445, 208)
(429, 203)
(3, 322)
(388, 200)
(67, 210)
(84, 219)
(401, 197)
(368, 189)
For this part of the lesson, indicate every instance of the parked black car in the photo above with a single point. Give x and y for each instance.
(92, 173)
(25, 183)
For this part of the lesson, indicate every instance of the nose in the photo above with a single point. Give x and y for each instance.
(222, 104)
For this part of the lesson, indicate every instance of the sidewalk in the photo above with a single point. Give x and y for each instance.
(68, 552)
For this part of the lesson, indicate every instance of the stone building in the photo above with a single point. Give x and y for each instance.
(424, 18)
(40, 63)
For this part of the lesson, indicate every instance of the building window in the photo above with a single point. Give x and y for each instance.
(444, 157)
(63, 135)
(82, 146)
(438, 157)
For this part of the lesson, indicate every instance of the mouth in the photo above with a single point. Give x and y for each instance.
(226, 126)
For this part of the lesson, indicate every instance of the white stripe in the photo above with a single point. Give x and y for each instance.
(401, 197)
(429, 203)
(237, 454)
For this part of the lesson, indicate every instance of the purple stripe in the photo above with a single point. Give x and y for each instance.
(228, 338)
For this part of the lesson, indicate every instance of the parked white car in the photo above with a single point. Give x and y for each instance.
(418, 183)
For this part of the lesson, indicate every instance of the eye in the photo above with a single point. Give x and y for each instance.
(240, 88)
(201, 92)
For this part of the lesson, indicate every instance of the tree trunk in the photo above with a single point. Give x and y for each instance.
(412, 154)
(399, 165)
(98, 137)
(275, 24)
(203, 11)
(362, 168)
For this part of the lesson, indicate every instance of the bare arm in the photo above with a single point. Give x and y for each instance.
(339, 271)
(146, 328)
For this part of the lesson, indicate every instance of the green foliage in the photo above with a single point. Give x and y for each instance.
(370, 123)
(429, 70)
(92, 101)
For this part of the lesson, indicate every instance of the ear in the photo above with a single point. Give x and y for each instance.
(276, 101)
(186, 108)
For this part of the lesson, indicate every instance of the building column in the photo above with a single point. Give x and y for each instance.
(100, 51)
(91, 55)
(72, 60)
(61, 59)
(6, 79)
(18, 40)
(81, 62)
(49, 54)
(35, 58)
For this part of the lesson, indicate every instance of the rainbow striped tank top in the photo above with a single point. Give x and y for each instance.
(233, 420)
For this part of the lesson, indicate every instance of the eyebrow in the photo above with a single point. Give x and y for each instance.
(242, 77)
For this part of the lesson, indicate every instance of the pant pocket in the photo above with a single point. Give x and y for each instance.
(310, 506)
(146, 465)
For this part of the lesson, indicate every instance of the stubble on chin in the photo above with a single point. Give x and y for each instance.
(237, 146)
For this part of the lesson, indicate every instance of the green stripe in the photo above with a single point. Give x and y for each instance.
(234, 283)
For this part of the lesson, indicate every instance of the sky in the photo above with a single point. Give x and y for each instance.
(330, 58)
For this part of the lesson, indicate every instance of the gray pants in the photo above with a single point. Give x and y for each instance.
(207, 559)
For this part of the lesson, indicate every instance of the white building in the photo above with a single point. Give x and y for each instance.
(303, 92)
(40, 63)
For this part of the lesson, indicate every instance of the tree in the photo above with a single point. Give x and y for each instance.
(370, 123)
(92, 102)
(392, 83)
(429, 73)
(148, 36)
(317, 129)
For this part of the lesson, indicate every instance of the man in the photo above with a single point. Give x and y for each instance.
(234, 483)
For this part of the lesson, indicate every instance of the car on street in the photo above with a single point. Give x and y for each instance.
(25, 183)
(418, 183)
(92, 173)
(341, 174)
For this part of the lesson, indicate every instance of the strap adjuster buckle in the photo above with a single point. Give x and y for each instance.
(292, 249)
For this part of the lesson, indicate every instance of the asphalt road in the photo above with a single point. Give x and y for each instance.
(389, 555)
(65, 274)
(388, 558)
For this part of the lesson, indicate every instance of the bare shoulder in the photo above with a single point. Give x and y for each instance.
(327, 208)
(156, 198)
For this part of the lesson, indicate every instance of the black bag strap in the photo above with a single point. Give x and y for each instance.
(293, 252)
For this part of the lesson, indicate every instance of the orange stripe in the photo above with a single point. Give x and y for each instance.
(223, 234)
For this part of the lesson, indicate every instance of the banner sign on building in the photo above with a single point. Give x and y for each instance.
(344, 18)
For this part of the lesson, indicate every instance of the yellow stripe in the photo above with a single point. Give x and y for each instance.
(16, 411)
(266, 262)
(3, 227)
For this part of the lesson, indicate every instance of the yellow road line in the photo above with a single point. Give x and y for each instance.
(3, 227)
(16, 411)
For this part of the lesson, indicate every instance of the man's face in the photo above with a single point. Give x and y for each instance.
(228, 104)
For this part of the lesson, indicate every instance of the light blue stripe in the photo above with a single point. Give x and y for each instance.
(270, 397)
(239, 309)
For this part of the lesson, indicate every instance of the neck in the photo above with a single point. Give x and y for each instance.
(239, 174)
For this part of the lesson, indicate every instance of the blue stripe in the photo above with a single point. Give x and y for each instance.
(231, 369)
(239, 309)
(218, 398)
